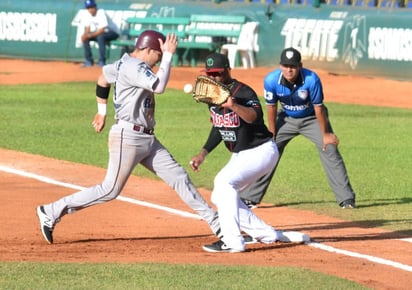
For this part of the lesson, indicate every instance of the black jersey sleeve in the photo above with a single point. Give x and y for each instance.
(247, 97)
(213, 140)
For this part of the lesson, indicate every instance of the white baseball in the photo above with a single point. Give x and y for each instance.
(188, 88)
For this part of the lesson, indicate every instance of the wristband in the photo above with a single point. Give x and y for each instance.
(101, 109)
(102, 92)
(167, 56)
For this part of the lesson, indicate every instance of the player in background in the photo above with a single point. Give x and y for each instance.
(99, 27)
(302, 112)
(239, 124)
(131, 139)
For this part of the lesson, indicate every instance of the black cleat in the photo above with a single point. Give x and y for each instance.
(250, 204)
(46, 225)
(349, 203)
(220, 247)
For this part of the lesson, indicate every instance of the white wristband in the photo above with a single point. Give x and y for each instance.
(101, 109)
(167, 56)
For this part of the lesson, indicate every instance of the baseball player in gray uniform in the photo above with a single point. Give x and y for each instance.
(131, 139)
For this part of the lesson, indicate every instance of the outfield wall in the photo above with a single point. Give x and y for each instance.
(340, 39)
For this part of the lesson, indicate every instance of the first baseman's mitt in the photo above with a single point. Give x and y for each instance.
(209, 91)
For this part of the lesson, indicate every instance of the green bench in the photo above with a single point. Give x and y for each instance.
(196, 33)
(209, 33)
(165, 25)
(136, 25)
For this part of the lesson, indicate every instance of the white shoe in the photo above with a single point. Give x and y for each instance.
(292, 237)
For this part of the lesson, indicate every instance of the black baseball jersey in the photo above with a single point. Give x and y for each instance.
(231, 129)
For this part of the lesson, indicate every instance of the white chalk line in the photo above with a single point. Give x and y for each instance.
(77, 187)
(195, 216)
(361, 256)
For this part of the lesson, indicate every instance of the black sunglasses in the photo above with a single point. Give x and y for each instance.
(215, 74)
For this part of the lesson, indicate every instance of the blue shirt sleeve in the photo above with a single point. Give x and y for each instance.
(315, 88)
(270, 82)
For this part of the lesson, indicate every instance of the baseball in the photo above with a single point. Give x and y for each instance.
(188, 88)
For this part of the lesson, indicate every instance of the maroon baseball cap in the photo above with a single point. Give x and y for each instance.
(216, 62)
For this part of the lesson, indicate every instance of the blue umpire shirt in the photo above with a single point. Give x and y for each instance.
(297, 100)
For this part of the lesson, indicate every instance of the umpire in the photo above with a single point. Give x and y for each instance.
(299, 91)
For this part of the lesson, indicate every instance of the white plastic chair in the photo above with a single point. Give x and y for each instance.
(245, 46)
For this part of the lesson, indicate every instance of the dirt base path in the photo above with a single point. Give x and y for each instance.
(337, 88)
(123, 232)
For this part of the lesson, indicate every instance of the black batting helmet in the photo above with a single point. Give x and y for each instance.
(150, 39)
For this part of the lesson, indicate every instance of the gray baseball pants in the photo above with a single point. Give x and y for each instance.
(286, 129)
(128, 148)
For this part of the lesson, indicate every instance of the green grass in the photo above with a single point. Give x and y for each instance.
(162, 276)
(54, 120)
(374, 143)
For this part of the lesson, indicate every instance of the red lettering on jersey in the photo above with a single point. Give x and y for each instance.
(230, 119)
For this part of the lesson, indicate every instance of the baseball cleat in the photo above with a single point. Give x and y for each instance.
(46, 225)
(220, 247)
(250, 204)
(292, 237)
(350, 203)
(249, 240)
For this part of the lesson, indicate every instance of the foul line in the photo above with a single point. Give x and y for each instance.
(195, 216)
(361, 256)
(77, 187)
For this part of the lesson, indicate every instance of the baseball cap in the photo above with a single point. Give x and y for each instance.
(89, 3)
(216, 62)
(290, 56)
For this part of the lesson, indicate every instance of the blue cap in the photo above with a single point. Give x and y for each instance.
(89, 3)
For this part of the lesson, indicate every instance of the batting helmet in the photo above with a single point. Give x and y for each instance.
(150, 39)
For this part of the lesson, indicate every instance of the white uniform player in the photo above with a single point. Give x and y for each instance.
(239, 124)
(131, 139)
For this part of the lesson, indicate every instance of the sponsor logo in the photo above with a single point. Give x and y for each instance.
(315, 39)
(387, 43)
(303, 94)
(295, 108)
(228, 136)
(30, 27)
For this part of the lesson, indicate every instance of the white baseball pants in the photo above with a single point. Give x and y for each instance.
(243, 169)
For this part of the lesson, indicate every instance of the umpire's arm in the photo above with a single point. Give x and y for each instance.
(328, 137)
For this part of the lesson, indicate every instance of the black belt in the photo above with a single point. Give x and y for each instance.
(143, 129)
(136, 128)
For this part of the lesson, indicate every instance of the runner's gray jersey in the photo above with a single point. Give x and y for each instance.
(133, 95)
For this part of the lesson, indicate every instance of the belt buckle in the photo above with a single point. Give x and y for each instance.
(138, 128)
(142, 129)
